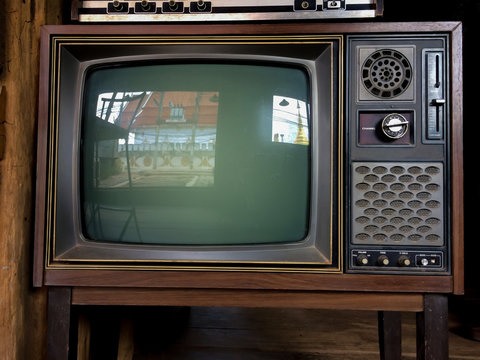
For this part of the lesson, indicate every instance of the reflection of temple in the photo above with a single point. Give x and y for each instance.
(172, 114)
(168, 131)
(301, 138)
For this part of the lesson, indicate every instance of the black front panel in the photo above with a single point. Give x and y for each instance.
(397, 167)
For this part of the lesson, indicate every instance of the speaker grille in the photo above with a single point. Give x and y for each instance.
(386, 73)
(397, 204)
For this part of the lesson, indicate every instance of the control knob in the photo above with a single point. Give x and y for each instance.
(394, 126)
(383, 260)
(424, 261)
(362, 260)
(404, 261)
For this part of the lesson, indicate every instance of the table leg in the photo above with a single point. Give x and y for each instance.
(432, 328)
(390, 335)
(58, 327)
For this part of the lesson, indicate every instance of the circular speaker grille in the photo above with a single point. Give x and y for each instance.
(386, 73)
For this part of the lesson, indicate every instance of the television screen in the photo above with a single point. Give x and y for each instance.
(196, 153)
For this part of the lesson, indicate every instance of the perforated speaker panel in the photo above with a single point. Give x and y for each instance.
(397, 203)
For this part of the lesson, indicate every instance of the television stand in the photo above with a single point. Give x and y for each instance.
(431, 310)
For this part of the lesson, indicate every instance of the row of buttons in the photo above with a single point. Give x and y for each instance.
(173, 6)
(170, 6)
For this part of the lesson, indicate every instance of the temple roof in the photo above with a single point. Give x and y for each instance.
(207, 112)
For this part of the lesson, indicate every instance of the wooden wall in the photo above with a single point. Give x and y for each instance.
(22, 309)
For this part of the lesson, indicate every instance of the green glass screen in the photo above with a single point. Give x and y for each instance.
(196, 154)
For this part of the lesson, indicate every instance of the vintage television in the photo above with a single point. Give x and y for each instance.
(268, 156)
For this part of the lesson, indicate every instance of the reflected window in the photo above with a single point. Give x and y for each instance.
(290, 121)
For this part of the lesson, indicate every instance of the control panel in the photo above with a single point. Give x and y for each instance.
(400, 260)
(222, 10)
(398, 162)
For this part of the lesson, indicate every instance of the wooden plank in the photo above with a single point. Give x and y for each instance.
(126, 345)
(83, 337)
(41, 185)
(3, 97)
(249, 280)
(247, 298)
(266, 28)
(22, 310)
(457, 180)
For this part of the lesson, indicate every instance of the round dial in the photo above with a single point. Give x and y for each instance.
(362, 260)
(394, 126)
(383, 260)
(404, 261)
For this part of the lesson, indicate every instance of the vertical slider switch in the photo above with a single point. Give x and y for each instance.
(434, 92)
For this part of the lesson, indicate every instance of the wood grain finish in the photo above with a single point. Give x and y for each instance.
(41, 184)
(83, 337)
(457, 162)
(256, 29)
(247, 298)
(22, 309)
(243, 280)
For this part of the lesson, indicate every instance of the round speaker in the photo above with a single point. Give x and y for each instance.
(386, 73)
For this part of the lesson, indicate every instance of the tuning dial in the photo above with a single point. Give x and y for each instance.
(362, 260)
(394, 126)
(404, 261)
(383, 260)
